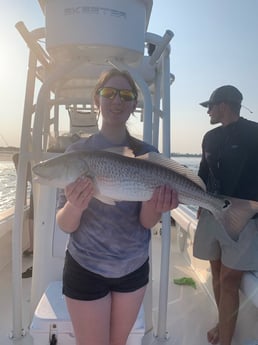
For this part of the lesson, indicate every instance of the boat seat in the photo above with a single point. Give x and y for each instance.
(83, 121)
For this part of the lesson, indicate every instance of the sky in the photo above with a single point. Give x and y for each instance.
(215, 43)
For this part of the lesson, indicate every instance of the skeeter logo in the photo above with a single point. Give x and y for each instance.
(94, 10)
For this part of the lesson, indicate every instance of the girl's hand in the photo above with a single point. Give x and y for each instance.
(164, 199)
(79, 193)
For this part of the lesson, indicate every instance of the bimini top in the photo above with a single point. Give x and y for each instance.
(148, 4)
(99, 30)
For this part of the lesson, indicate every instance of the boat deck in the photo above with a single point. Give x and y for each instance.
(191, 312)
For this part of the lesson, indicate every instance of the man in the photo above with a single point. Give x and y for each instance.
(229, 166)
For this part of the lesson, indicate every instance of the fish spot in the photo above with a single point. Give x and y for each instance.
(227, 203)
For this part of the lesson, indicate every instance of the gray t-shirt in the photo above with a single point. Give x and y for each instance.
(110, 240)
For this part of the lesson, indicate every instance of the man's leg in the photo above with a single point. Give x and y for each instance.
(213, 334)
(230, 281)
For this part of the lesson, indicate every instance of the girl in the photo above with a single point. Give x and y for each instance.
(106, 267)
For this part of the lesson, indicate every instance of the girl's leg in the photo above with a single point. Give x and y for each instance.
(124, 310)
(91, 320)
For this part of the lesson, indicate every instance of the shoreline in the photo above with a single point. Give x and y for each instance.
(6, 156)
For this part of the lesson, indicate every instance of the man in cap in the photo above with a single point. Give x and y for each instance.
(229, 166)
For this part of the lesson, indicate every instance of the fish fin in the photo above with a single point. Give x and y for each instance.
(171, 164)
(121, 150)
(104, 199)
(235, 215)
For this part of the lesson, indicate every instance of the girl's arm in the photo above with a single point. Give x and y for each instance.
(78, 195)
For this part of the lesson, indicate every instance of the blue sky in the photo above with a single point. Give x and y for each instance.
(215, 43)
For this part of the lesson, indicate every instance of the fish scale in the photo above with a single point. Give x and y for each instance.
(136, 180)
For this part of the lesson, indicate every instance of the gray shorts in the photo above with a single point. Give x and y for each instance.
(212, 242)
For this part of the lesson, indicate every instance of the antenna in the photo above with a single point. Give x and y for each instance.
(250, 111)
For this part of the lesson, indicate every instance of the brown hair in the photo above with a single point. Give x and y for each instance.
(106, 75)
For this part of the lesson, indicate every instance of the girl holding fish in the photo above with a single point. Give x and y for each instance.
(106, 267)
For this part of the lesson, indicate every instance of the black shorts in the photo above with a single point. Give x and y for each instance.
(81, 284)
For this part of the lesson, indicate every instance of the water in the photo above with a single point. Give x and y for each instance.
(191, 162)
(7, 185)
(8, 179)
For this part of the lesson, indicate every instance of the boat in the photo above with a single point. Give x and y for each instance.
(61, 74)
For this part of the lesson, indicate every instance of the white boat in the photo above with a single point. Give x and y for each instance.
(59, 83)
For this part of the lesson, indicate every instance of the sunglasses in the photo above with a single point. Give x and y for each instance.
(111, 92)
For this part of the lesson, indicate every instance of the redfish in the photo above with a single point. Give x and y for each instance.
(122, 178)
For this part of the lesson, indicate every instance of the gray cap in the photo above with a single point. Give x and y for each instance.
(226, 93)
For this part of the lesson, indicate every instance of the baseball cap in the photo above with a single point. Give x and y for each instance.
(226, 93)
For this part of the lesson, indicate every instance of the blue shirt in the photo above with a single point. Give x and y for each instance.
(110, 240)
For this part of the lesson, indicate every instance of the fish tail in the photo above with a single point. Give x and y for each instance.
(235, 214)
